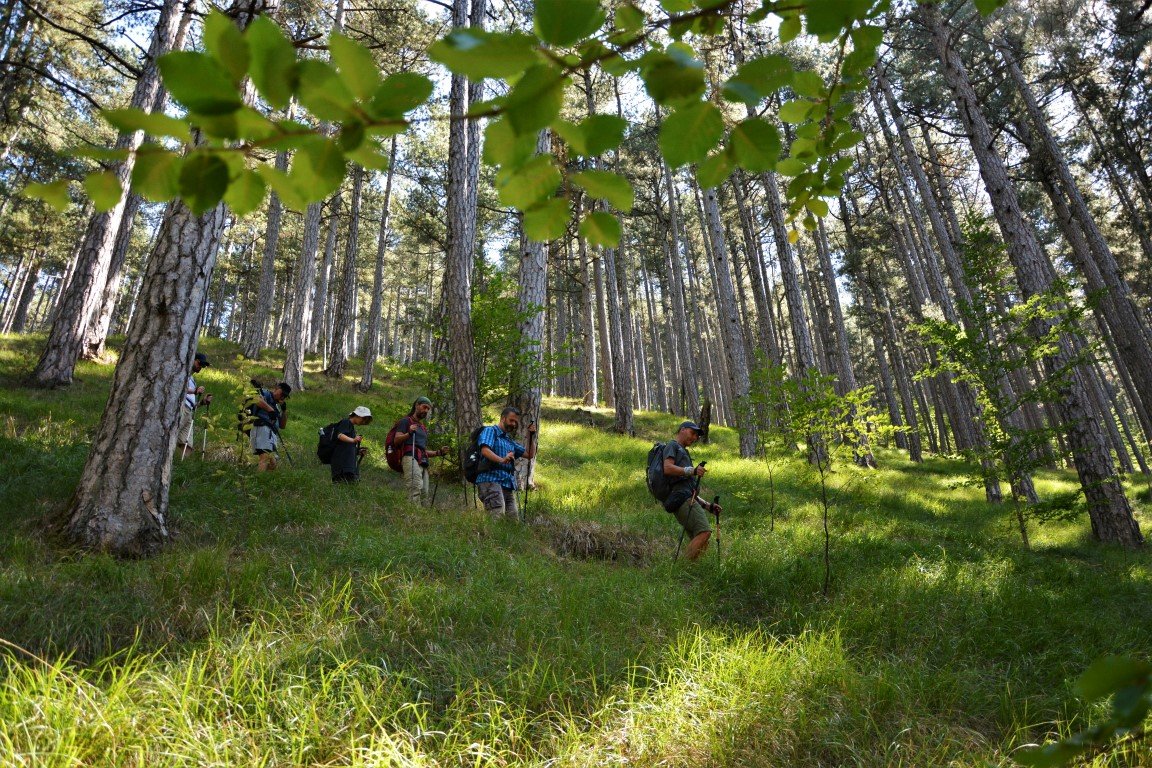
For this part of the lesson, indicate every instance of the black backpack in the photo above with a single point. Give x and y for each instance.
(327, 443)
(658, 484)
(472, 457)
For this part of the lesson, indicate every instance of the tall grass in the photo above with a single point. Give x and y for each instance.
(294, 623)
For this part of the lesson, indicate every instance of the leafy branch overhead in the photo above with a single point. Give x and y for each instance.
(218, 150)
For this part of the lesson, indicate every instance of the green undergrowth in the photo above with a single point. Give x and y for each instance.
(294, 623)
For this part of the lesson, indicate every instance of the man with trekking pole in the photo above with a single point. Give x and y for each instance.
(410, 438)
(684, 500)
(270, 410)
(185, 435)
(496, 484)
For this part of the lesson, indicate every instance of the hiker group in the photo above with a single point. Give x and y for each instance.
(489, 460)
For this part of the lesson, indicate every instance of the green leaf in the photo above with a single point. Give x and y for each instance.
(755, 145)
(672, 80)
(290, 135)
(808, 83)
(225, 43)
(846, 140)
(601, 229)
(606, 185)
(476, 54)
(629, 18)
(536, 99)
(104, 189)
(217, 126)
(796, 111)
(867, 37)
(245, 193)
(527, 185)
(817, 206)
(323, 93)
(199, 83)
(357, 68)
(273, 66)
(1108, 674)
(985, 7)
(690, 133)
(254, 126)
(504, 147)
(400, 93)
(156, 175)
(54, 193)
(547, 220)
(676, 6)
(370, 155)
(153, 124)
(573, 136)
(790, 166)
(758, 78)
(827, 19)
(351, 135)
(564, 22)
(106, 154)
(287, 187)
(203, 181)
(1048, 756)
(789, 28)
(714, 170)
(317, 169)
(602, 133)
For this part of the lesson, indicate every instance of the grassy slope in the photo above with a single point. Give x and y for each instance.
(297, 623)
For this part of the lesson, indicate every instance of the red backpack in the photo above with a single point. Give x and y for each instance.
(392, 454)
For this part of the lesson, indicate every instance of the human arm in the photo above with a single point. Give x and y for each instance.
(400, 438)
(672, 469)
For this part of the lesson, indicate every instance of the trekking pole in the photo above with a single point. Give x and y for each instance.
(184, 448)
(715, 501)
(280, 442)
(676, 556)
(204, 433)
(532, 437)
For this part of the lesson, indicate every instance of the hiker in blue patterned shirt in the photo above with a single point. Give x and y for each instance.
(496, 484)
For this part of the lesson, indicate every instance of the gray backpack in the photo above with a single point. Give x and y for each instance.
(658, 484)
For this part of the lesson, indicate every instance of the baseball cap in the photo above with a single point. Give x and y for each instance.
(689, 425)
(203, 358)
(362, 411)
(423, 401)
(285, 388)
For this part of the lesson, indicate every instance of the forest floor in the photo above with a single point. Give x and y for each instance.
(296, 623)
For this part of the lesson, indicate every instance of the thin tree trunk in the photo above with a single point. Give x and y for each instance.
(372, 343)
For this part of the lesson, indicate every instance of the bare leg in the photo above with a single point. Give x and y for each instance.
(698, 544)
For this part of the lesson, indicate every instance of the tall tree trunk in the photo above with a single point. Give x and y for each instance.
(86, 288)
(461, 207)
(257, 337)
(372, 343)
(27, 289)
(342, 326)
(1111, 515)
(687, 374)
(1091, 254)
(731, 329)
(121, 501)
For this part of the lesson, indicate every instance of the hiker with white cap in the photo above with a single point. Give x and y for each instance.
(346, 448)
(184, 438)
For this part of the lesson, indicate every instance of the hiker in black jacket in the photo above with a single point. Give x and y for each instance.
(346, 449)
(684, 478)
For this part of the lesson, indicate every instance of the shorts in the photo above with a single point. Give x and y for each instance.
(498, 500)
(184, 431)
(692, 518)
(263, 440)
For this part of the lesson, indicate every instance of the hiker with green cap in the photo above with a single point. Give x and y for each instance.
(683, 479)
(410, 439)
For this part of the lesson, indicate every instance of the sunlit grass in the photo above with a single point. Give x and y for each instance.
(294, 623)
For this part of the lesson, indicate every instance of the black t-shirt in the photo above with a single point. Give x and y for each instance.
(679, 455)
(344, 454)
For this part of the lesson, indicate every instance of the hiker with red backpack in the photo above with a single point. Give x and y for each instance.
(408, 452)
